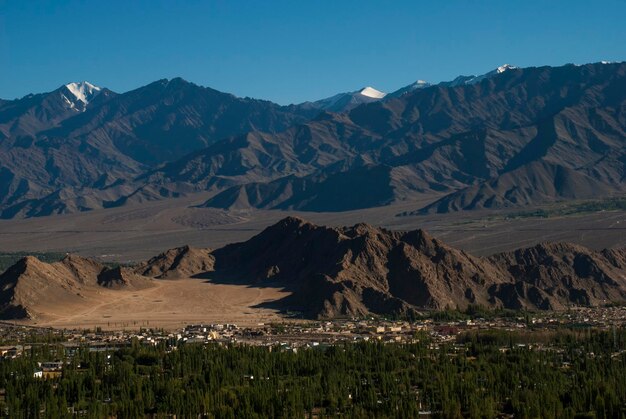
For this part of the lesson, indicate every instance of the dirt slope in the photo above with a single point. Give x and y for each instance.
(327, 272)
(181, 262)
(31, 283)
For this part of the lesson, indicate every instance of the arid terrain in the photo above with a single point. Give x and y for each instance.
(134, 233)
(504, 190)
(168, 304)
(313, 271)
(510, 138)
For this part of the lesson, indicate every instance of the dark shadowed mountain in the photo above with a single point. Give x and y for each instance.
(80, 146)
(362, 187)
(362, 269)
(355, 270)
(511, 137)
(517, 137)
(342, 102)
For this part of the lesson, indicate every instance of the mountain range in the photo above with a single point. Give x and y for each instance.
(511, 137)
(348, 271)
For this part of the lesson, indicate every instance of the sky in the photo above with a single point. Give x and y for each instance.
(291, 51)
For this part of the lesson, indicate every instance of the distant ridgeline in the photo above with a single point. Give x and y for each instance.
(513, 137)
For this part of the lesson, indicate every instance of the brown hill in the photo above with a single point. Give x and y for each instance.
(552, 276)
(357, 270)
(361, 269)
(347, 271)
(182, 262)
(122, 277)
(31, 283)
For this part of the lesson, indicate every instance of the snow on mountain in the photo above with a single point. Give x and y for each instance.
(345, 101)
(504, 68)
(459, 81)
(83, 91)
(499, 70)
(373, 93)
(420, 84)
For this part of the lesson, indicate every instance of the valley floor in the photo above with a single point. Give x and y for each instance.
(134, 233)
(169, 304)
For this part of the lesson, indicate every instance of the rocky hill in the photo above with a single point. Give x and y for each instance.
(553, 276)
(347, 271)
(31, 283)
(357, 270)
(361, 269)
(182, 262)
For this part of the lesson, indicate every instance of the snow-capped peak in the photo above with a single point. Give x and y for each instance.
(504, 68)
(478, 79)
(373, 93)
(83, 91)
(418, 85)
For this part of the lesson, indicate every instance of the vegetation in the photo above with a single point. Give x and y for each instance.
(482, 375)
(585, 207)
(472, 312)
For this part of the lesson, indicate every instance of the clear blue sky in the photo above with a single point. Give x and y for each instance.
(292, 50)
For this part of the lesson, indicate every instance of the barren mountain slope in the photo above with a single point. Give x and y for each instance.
(327, 272)
(30, 283)
(361, 269)
(59, 154)
(556, 275)
(182, 262)
(488, 144)
(481, 142)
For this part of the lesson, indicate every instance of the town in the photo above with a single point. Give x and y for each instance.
(16, 339)
(101, 368)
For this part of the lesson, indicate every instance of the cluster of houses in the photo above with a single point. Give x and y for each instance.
(12, 351)
(290, 336)
(202, 333)
(49, 369)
